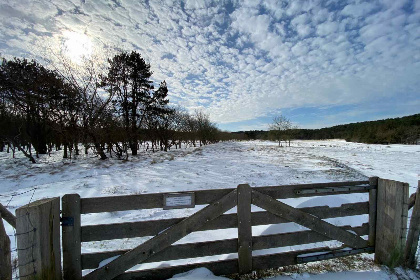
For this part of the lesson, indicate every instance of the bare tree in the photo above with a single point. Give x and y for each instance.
(280, 129)
(95, 103)
(207, 131)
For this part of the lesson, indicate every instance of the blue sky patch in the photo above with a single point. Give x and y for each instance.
(319, 63)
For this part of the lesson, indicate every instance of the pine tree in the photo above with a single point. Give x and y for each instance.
(129, 79)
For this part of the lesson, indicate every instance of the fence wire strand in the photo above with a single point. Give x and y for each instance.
(31, 231)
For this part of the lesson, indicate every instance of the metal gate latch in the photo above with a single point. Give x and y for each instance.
(67, 221)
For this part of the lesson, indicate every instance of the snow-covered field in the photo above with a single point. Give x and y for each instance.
(222, 165)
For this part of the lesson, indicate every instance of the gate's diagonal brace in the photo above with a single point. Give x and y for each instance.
(307, 220)
(164, 239)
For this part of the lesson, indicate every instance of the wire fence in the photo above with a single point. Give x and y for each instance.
(28, 267)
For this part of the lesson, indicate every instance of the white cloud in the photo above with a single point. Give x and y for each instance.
(303, 30)
(300, 19)
(358, 10)
(326, 28)
(246, 64)
(293, 8)
(300, 49)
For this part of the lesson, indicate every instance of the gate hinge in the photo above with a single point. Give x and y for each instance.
(67, 221)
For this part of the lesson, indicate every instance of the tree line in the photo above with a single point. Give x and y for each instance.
(109, 111)
(404, 130)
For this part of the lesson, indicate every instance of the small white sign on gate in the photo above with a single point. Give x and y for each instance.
(178, 200)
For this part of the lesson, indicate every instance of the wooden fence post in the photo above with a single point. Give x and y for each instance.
(9, 217)
(413, 233)
(373, 181)
(5, 254)
(72, 263)
(244, 229)
(391, 222)
(38, 239)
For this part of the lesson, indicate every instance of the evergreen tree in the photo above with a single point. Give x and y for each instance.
(29, 92)
(129, 79)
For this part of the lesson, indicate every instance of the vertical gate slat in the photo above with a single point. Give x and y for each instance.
(413, 233)
(72, 265)
(373, 181)
(244, 229)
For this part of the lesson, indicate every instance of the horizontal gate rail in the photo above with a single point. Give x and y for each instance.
(289, 258)
(165, 232)
(143, 201)
(174, 252)
(290, 191)
(225, 267)
(153, 227)
(333, 254)
(220, 247)
(149, 201)
(333, 190)
(164, 239)
(217, 267)
(307, 220)
(299, 238)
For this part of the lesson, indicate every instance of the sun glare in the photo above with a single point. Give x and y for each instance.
(77, 46)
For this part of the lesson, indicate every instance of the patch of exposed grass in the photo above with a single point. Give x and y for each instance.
(358, 262)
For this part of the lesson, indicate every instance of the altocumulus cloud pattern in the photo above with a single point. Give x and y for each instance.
(244, 61)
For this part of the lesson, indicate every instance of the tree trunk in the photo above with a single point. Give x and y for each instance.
(70, 150)
(76, 148)
(29, 156)
(65, 155)
(100, 151)
(133, 147)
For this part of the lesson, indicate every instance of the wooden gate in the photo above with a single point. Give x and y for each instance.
(166, 232)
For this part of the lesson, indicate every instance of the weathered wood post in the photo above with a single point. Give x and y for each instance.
(373, 182)
(244, 229)
(8, 216)
(38, 239)
(5, 254)
(72, 263)
(391, 222)
(413, 233)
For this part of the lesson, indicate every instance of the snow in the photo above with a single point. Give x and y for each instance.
(196, 274)
(205, 274)
(222, 165)
(107, 261)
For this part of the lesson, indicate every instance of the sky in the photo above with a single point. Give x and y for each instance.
(318, 63)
